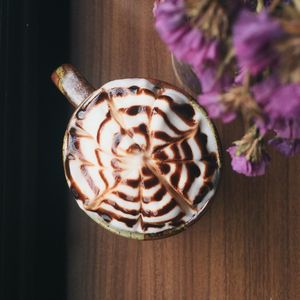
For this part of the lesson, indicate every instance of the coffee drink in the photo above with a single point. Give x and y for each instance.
(141, 158)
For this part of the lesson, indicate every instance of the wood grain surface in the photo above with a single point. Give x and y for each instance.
(246, 246)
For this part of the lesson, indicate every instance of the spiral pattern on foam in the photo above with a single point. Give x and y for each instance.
(141, 158)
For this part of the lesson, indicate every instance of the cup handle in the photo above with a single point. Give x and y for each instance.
(72, 84)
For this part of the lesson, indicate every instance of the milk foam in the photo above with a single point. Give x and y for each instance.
(140, 158)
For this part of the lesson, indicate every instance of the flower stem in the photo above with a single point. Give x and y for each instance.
(260, 5)
(249, 153)
(297, 4)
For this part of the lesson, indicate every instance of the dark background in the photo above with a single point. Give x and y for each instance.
(245, 247)
(33, 41)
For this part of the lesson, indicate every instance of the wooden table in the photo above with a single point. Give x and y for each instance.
(247, 245)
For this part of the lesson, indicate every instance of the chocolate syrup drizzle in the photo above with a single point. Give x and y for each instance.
(160, 171)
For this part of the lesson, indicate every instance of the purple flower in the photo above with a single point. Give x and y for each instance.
(215, 107)
(280, 104)
(207, 76)
(241, 164)
(211, 97)
(188, 44)
(155, 7)
(288, 147)
(289, 129)
(253, 38)
(240, 76)
(284, 101)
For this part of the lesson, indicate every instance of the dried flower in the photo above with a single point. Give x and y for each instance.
(238, 98)
(212, 89)
(155, 7)
(182, 34)
(288, 48)
(280, 104)
(248, 63)
(215, 107)
(209, 16)
(289, 129)
(226, 105)
(248, 155)
(254, 36)
(284, 101)
(288, 147)
(242, 165)
(210, 81)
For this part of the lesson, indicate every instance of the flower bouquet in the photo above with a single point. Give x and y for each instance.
(246, 56)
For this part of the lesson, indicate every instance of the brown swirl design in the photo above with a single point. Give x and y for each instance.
(137, 157)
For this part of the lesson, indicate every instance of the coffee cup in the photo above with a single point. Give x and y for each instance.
(141, 157)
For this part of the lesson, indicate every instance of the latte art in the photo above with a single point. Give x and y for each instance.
(140, 158)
